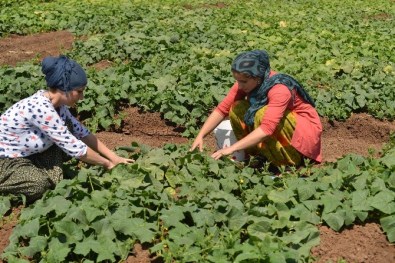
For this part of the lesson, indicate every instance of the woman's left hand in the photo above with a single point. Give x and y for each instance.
(223, 152)
(119, 160)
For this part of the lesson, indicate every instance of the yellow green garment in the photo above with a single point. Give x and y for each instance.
(277, 148)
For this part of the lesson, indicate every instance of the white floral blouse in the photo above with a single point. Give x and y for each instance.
(32, 125)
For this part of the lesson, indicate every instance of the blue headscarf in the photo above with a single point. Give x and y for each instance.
(256, 64)
(63, 73)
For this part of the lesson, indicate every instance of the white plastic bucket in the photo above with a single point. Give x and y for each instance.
(225, 137)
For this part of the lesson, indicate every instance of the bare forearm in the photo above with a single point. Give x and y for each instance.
(93, 157)
(251, 139)
(212, 121)
(99, 153)
(95, 144)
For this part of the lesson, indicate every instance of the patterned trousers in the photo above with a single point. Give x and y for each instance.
(277, 148)
(33, 175)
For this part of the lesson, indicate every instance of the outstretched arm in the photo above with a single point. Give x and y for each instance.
(98, 151)
(212, 121)
(251, 139)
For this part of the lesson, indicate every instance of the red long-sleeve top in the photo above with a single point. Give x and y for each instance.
(307, 135)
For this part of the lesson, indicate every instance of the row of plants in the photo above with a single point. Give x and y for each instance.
(187, 207)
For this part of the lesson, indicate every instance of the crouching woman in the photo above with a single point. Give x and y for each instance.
(39, 132)
(270, 113)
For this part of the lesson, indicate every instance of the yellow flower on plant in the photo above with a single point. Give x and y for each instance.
(283, 24)
(388, 69)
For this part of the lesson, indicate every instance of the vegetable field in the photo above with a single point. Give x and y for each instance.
(156, 69)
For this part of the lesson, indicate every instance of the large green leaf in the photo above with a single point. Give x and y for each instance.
(388, 225)
(57, 251)
(334, 220)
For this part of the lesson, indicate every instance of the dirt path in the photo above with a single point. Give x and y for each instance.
(359, 133)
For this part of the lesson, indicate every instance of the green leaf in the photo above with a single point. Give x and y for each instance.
(5, 205)
(391, 180)
(361, 215)
(57, 251)
(204, 217)
(237, 219)
(280, 196)
(101, 198)
(360, 200)
(36, 245)
(277, 257)
(105, 123)
(102, 99)
(331, 202)
(305, 191)
(361, 100)
(312, 205)
(172, 178)
(214, 167)
(348, 67)
(77, 213)
(388, 225)
(391, 235)
(334, 220)
(182, 236)
(59, 204)
(13, 259)
(134, 227)
(105, 250)
(86, 245)
(301, 212)
(360, 182)
(383, 201)
(71, 230)
(91, 212)
(103, 229)
(172, 216)
(389, 159)
(260, 229)
(247, 257)
(164, 82)
(194, 169)
(30, 228)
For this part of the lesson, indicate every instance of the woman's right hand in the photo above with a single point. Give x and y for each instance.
(212, 121)
(198, 143)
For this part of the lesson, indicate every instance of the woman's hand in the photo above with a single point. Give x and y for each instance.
(118, 160)
(212, 121)
(198, 143)
(223, 152)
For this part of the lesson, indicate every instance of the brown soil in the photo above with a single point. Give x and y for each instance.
(357, 244)
(16, 49)
(361, 243)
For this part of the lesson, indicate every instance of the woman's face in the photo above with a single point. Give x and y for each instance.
(74, 96)
(246, 83)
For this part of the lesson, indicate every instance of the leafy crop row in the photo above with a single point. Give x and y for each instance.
(188, 207)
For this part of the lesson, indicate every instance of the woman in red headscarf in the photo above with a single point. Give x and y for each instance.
(38, 132)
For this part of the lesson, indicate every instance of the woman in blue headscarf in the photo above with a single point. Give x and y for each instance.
(270, 113)
(38, 133)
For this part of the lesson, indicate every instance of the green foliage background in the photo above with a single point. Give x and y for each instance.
(174, 57)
